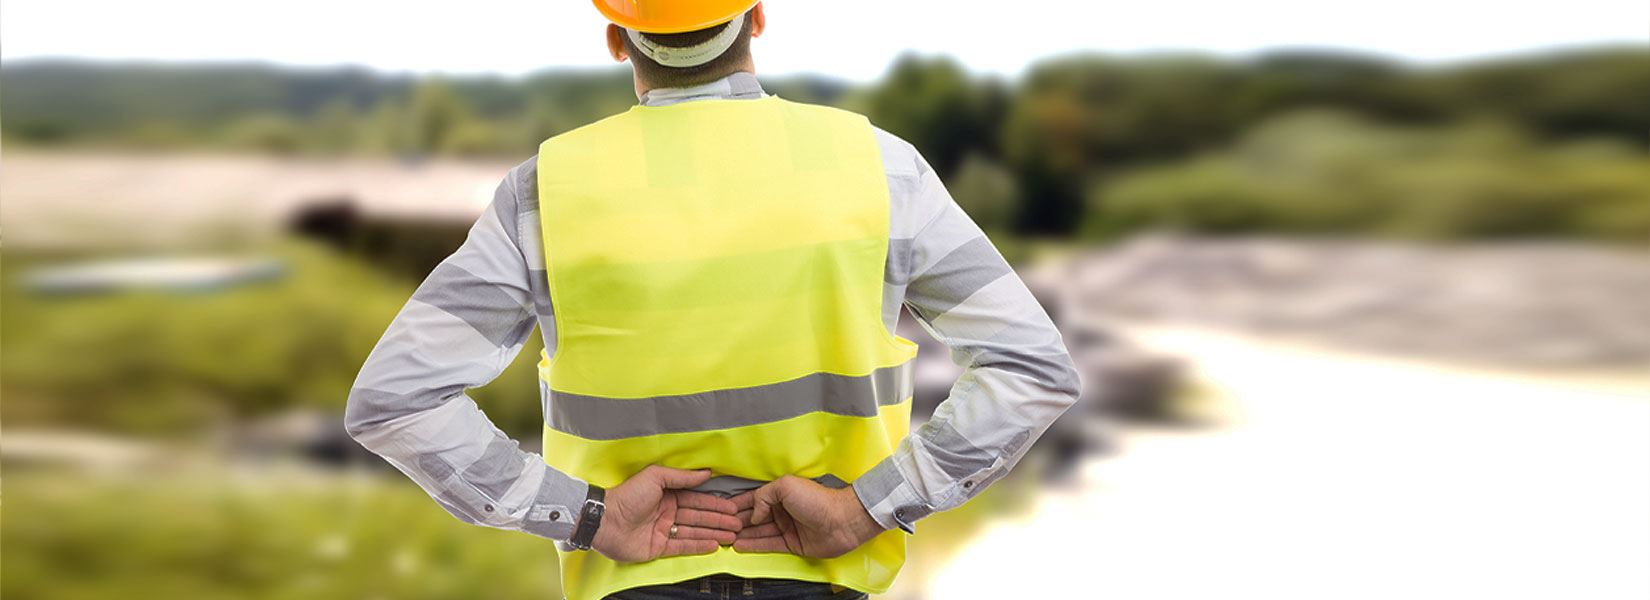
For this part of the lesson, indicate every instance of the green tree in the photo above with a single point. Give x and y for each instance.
(386, 131)
(437, 116)
(1084, 117)
(337, 127)
(269, 133)
(935, 105)
(987, 192)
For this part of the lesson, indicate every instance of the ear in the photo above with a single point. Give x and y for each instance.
(759, 20)
(615, 43)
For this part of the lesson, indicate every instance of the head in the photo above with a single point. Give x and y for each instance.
(650, 74)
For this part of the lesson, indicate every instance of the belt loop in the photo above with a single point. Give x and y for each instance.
(750, 588)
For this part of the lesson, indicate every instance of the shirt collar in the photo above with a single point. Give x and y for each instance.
(737, 86)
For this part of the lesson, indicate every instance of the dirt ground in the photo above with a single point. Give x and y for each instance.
(1344, 476)
(77, 199)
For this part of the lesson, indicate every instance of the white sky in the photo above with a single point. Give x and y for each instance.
(853, 39)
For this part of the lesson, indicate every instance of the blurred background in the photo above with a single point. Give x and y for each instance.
(1361, 294)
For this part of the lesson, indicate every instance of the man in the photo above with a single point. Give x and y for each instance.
(718, 274)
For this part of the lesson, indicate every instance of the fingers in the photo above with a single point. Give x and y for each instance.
(777, 536)
(760, 531)
(766, 498)
(743, 501)
(761, 544)
(787, 526)
(744, 517)
(719, 536)
(763, 510)
(680, 547)
(702, 501)
(676, 479)
(705, 518)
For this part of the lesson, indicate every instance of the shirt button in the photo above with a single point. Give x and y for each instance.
(899, 513)
(555, 515)
(487, 507)
(968, 484)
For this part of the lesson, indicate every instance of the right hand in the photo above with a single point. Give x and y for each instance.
(802, 517)
(639, 513)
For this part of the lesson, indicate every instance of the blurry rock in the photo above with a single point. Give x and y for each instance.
(316, 436)
(335, 220)
(1121, 381)
(1124, 380)
(410, 244)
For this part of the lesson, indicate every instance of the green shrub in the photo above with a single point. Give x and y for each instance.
(1334, 173)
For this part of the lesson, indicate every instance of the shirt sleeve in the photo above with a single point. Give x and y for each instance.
(460, 329)
(1017, 378)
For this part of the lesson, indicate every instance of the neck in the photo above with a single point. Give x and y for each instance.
(644, 86)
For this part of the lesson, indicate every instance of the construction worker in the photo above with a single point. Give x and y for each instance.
(717, 274)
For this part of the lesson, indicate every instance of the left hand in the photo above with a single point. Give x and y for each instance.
(802, 517)
(652, 515)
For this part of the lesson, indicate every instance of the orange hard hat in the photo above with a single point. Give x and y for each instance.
(671, 16)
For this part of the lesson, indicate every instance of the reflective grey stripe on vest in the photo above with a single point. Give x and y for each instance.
(728, 486)
(599, 418)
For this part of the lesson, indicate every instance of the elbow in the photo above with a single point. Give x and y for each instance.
(369, 410)
(358, 418)
(1068, 383)
(1054, 375)
(1064, 382)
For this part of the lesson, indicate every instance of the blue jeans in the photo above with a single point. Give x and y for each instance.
(730, 587)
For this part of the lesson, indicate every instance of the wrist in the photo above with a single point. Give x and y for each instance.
(588, 527)
(860, 522)
(602, 543)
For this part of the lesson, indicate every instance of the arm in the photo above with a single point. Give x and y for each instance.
(459, 330)
(1018, 377)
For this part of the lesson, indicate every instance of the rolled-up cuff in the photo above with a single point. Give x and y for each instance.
(555, 511)
(890, 498)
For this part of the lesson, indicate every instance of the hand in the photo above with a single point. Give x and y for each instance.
(641, 511)
(802, 517)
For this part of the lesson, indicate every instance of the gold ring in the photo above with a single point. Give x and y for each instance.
(672, 531)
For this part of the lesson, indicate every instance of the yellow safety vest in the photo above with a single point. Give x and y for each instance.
(716, 271)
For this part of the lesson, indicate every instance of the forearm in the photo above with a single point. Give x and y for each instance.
(476, 472)
(463, 325)
(974, 438)
(1018, 376)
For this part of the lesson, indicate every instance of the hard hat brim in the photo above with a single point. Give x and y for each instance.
(671, 17)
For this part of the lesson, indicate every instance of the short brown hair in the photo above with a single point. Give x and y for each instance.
(662, 76)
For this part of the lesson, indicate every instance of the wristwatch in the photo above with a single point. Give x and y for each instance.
(590, 518)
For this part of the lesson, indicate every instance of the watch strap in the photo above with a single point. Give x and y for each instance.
(590, 518)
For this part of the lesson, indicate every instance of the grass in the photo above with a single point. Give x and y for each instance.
(294, 534)
(216, 535)
(169, 364)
